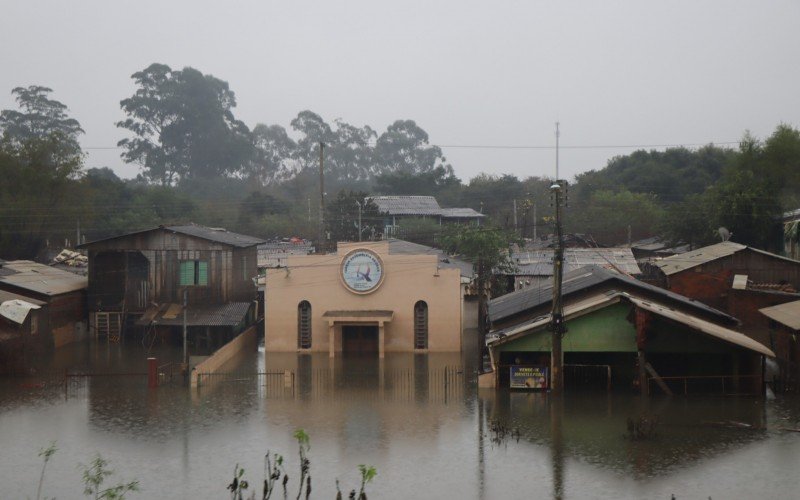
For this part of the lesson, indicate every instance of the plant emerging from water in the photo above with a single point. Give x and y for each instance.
(95, 474)
(46, 454)
(274, 474)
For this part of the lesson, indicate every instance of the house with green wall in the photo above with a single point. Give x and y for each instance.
(626, 335)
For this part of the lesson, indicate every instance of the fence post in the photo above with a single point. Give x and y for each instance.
(152, 373)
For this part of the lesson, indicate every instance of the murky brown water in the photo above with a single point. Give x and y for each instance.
(419, 421)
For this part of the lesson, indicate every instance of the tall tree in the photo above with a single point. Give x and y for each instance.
(183, 126)
(404, 148)
(273, 154)
(488, 250)
(43, 128)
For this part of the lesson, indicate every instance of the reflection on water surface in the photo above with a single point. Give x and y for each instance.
(417, 418)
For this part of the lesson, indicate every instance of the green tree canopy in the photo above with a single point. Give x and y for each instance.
(183, 126)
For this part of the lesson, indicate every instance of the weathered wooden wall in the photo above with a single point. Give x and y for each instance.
(140, 269)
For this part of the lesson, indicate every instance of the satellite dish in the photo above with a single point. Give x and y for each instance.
(724, 233)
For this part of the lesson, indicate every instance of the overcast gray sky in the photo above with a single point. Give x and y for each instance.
(614, 73)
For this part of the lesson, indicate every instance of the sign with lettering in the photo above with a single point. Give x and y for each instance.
(529, 377)
(362, 271)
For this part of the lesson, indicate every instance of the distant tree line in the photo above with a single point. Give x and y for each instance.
(199, 163)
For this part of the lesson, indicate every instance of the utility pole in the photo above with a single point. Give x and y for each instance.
(535, 223)
(185, 339)
(515, 217)
(558, 189)
(321, 234)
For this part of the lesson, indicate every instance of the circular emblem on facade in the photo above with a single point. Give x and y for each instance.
(362, 271)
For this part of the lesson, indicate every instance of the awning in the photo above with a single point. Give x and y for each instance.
(229, 314)
(363, 316)
(704, 326)
(16, 310)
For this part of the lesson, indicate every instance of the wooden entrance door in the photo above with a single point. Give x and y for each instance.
(360, 339)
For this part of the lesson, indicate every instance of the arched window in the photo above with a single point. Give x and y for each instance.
(304, 325)
(420, 325)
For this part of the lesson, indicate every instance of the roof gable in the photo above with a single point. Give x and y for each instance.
(585, 278)
(216, 235)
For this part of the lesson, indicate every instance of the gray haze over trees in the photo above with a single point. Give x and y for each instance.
(199, 162)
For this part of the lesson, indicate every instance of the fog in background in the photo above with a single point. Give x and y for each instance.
(615, 73)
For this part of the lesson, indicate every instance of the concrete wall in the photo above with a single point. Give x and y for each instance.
(408, 279)
(245, 341)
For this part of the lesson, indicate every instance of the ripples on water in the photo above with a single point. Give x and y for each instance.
(417, 418)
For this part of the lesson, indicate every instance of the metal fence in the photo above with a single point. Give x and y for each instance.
(441, 384)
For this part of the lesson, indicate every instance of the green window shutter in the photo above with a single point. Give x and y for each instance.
(187, 273)
(202, 273)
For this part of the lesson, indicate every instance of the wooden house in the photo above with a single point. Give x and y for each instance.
(63, 295)
(146, 279)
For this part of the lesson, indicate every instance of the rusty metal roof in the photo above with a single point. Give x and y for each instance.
(228, 314)
(41, 279)
(786, 314)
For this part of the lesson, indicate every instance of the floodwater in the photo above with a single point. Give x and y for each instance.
(418, 419)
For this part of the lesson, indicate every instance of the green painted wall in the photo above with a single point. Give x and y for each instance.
(605, 330)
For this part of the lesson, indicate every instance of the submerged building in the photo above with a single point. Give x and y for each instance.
(150, 280)
(368, 298)
(622, 333)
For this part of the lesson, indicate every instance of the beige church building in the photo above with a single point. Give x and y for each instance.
(368, 298)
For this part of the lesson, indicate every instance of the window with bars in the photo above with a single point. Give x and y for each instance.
(193, 273)
(421, 325)
(304, 325)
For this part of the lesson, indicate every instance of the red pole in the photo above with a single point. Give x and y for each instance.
(152, 373)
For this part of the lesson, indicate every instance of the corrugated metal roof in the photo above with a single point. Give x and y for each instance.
(583, 279)
(603, 300)
(228, 314)
(408, 205)
(41, 279)
(704, 326)
(16, 310)
(218, 235)
(570, 311)
(461, 213)
(786, 314)
(540, 262)
(688, 260)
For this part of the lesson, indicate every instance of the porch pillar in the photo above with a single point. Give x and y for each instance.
(642, 323)
(381, 339)
(331, 340)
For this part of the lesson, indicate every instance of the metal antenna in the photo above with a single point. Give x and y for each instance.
(558, 134)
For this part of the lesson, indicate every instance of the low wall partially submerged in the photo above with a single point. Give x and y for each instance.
(245, 341)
